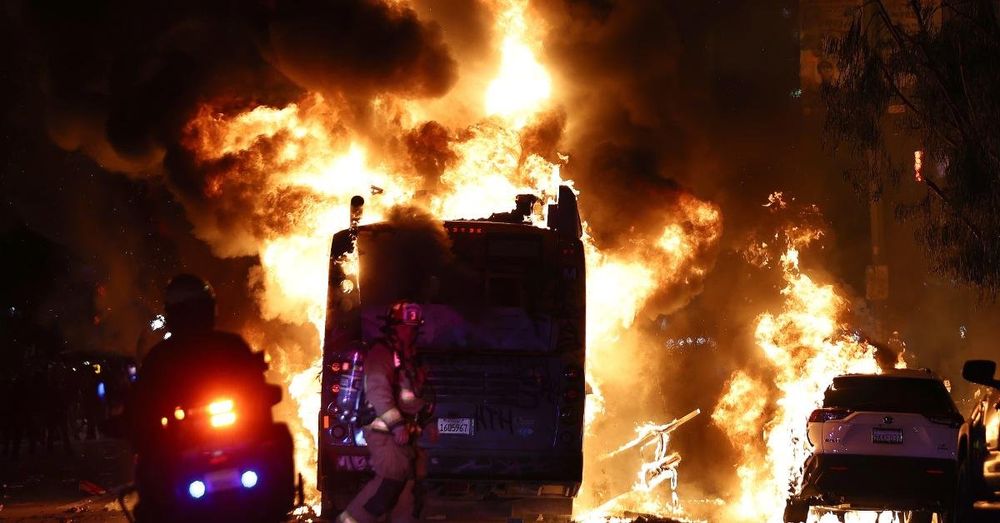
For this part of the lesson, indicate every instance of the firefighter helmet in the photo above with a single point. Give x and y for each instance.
(187, 288)
(189, 303)
(405, 313)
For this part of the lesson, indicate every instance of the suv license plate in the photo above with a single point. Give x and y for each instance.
(455, 426)
(890, 436)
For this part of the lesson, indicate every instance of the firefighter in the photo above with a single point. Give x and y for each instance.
(195, 354)
(398, 405)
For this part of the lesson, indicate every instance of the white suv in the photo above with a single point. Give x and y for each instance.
(883, 442)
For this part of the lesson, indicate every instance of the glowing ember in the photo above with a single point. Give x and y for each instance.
(661, 466)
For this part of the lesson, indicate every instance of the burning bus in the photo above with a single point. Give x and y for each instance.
(504, 342)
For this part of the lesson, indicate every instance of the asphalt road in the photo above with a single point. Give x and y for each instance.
(83, 486)
(56, 485)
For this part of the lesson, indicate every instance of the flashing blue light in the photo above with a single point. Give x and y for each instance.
(101, 390)
(196, 489)
(249, 479)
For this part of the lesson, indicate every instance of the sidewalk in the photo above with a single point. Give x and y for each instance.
(57, 486)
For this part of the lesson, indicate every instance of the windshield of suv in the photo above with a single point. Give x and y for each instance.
(889, 394)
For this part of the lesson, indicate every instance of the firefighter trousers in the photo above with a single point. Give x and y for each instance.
(390, 492)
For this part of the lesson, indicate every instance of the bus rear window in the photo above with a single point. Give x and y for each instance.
(513, 248)
(505, 291)
(479, 291)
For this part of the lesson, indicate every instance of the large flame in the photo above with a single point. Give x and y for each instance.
(299, 165)
(620, 283)
(523, 84)
(805, 344)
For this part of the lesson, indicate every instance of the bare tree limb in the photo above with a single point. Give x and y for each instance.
(944, 199)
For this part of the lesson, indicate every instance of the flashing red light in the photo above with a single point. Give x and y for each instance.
(221, 413)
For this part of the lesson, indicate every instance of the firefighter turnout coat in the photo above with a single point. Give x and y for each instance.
(391, 392)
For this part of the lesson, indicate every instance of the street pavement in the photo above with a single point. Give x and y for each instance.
(83, 487)
(56, 485)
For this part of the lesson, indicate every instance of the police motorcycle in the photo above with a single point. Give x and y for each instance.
(221, 457)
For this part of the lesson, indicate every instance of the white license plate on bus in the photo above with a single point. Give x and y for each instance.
(890, 436)
(455, 426)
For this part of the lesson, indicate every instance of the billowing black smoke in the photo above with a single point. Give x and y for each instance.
(119, 81)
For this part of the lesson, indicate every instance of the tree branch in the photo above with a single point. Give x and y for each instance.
(960, 117)
(944, 199)
(963, 121)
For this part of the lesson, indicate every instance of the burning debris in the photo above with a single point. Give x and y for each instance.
(657, 467)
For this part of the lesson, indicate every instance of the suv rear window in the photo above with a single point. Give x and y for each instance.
(889, 394)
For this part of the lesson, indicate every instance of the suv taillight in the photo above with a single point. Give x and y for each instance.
(951, 420)
(821, 415)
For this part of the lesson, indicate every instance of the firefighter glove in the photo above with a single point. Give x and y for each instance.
(401, 434)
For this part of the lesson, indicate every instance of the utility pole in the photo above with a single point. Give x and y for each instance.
(877, 272)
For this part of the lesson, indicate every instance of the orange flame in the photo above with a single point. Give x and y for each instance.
(297, 167)
(522, 84)
(621, 283)
(806, 344)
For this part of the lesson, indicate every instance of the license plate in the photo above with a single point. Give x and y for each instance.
(224, 479)
(455, 426)
(890, 436)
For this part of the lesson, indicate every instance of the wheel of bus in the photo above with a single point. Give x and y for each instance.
(796, 511)
(282, 465)
(328, 510)
(333, 503)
